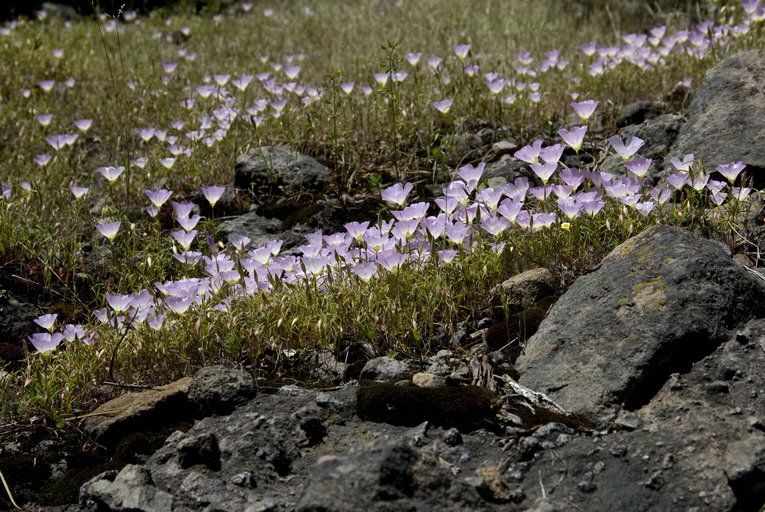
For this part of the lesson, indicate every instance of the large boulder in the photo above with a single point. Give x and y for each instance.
(278, 168)
(656, 304)
(726, 119)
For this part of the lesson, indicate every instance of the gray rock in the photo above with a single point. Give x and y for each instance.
(199, 449)
(744, 467)
(503, 147)
(61, 11)
(726, 119)
(428, 380)
(129, 490)
(272, 168)
(527, 288)
(255, 227)
(132, 411)
(218, 390)
(639, 111)
(656, 304)
(385, 369)
(506, 170)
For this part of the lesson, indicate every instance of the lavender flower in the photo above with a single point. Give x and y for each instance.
(213, 193)
(83, 124)
(396, 194)
(684, 164)
(639, 166)
(78, 192)
(461, 51)
(45, 341)
(442, 106)
(585, 109)
(731, 170)
(627, 148)
(413, 58)
(47, 321)
(158, 197)
(110, 173)
(108, 229)
(530, 153)
(574, 137)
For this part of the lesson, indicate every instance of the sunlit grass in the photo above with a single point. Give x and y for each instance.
(49, 239)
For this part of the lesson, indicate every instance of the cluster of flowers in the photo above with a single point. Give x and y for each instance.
(467, 217)
(221, 100)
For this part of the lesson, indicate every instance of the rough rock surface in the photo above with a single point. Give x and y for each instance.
(527, 288)
(385, 369)
(506, 170)
(121, 415)
(267, 167)
(698, 445)
(217, 389)
(656, 304)
(726, 119)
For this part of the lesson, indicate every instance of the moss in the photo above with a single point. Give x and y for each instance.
(650, 294)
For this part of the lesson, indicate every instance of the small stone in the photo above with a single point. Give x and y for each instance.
(669, 461)
(517, 495)
(452, 437)
(655, 481)
(245, 479)
(263, 506)
(428, 380)
(599, 467)
(290, 390)
(730, 366)
(503, 147)
(587, 485)
(418, 435)
(327, 401)
(618, 451)
(384, 369)
(627, 420)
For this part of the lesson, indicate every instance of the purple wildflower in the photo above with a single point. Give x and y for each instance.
(442, 106)
(584, 109)
(627, 148)
(158, 197)
(213, 193)
(45, 341)
(47, 321)
(108, 229)
(731, 170)
(684, 164)
(639, 166)
(110, 173)
(574, 137)
(396, 194)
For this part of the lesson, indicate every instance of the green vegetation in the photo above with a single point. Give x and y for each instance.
(49, 241)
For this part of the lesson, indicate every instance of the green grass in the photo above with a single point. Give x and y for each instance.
(49, 239)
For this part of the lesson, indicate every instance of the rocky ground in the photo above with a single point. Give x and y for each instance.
(639, 388)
